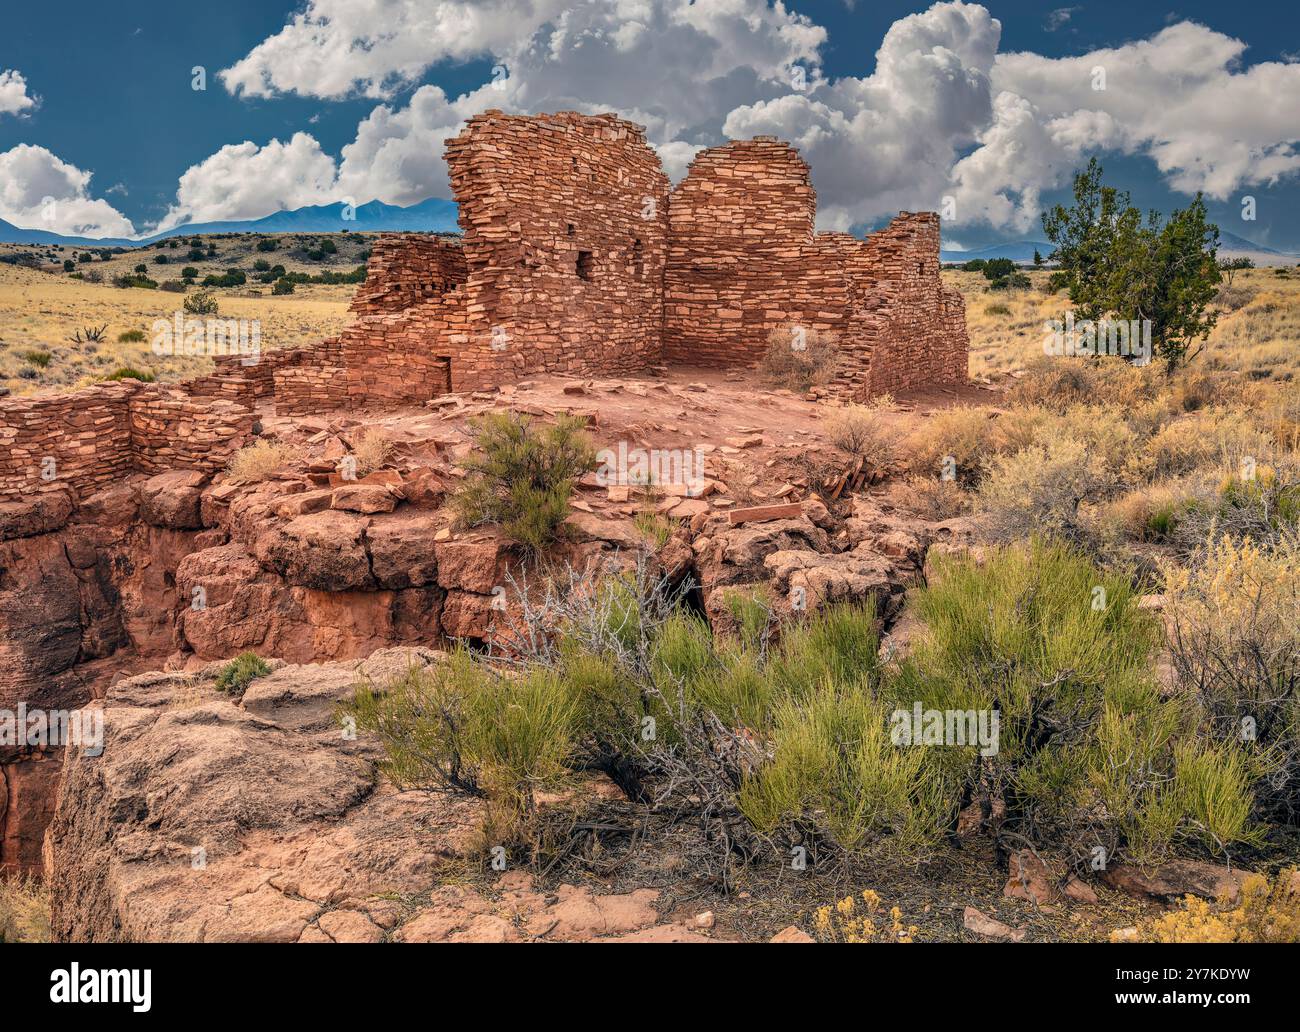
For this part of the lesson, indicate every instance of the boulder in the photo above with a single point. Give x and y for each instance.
(1176, 878)
(363, 498)
(172, 499)
(236, 825)
(1029, 878)
(586, 526)
(322, 550)
(38, 515)
(475, 566)
(402, 549)
(827, 579)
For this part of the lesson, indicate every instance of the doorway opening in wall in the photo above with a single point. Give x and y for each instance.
(441, 377)
(586, 265)
(638, 259)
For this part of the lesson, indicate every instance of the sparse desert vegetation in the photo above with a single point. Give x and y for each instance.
(42, 307)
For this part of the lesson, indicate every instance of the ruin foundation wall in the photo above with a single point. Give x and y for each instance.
(87, 439)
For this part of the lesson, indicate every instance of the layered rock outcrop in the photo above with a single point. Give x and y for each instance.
(261, 819)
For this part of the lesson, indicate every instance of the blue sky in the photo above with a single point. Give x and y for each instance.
(989, 106)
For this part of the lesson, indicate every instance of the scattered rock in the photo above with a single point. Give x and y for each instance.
(363, 498)
(1176, 878)
(982, 924)
(1029, 878)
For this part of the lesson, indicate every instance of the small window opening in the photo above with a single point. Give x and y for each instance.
(569, 229)
(638, 259)
(585, 265)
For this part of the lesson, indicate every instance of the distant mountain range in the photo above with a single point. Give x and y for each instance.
(1022, 251)
(433, 216)
(436, 215)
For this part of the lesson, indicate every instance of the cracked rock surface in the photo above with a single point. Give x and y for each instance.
(210, 818)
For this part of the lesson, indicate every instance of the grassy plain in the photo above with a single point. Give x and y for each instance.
(43, 307)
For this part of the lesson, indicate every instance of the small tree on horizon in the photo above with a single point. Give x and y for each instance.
(1230, 266)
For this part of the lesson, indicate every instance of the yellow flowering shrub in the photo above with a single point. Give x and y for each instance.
(1266, 913)
(861, 919)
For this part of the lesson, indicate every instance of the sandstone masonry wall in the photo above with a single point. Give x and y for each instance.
(90, 438)
(406, 269)
(314, 381)
(744, 265)
(81, 438)
(565, 227)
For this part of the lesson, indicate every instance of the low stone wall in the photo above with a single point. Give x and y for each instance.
(172, 430)
(87, 439)
(80, 439)
(314, 381)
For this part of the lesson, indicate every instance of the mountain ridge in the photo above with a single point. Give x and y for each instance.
(434, 215)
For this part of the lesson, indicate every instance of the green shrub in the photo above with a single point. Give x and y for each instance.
(282, 286)
(521, 477)
(836, 774)
(235, 677)
(128, 373)
(771, 741)
(201, 302)
(461, 725)
(229, 278)
(1090, 753)
(130, 336)
(40, 359)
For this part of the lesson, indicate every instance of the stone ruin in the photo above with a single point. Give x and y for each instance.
(578, 258)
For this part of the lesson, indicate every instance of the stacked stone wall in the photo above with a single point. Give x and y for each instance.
(407, 269)
(81, 438)
(315, 381)
(87, 439)
(171, 429)
(565, 227)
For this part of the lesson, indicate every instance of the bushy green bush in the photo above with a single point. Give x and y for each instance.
(129, 373)
(521, 477)
(465, 726)
(235, 677)
(770, 741)
(1090, 753)
(201, 302)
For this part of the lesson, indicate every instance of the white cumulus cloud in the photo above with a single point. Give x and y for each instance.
(940, 114)
(247, 181)
(38, 190)
(14, 98)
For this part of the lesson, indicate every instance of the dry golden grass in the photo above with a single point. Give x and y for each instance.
(24, 911)
(39, 311)
(259, 460)
(1258, 331)
(371, 449)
